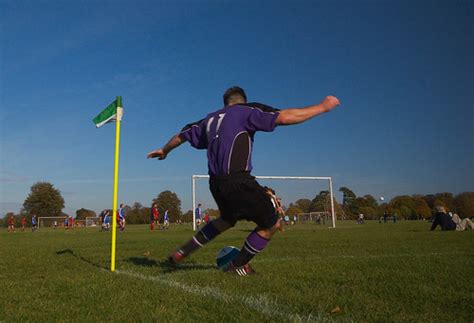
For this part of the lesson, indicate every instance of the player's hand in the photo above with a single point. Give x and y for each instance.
(330, 102)
(160, 153)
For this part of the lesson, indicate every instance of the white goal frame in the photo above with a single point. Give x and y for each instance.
(317, 178)
(62, 218)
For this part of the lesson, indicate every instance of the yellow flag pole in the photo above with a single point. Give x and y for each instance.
(116, 167)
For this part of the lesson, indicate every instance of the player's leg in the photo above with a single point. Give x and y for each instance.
(254, 244)
(203, 236)
(264, 214)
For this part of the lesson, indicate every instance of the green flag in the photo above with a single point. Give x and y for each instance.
(109, 114)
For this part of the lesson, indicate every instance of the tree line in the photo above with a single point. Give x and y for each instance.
(45, 200)
(408, 207)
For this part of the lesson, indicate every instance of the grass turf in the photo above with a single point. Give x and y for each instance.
(372, 272)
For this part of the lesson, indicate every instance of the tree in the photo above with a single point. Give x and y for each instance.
(348, 201)
(321, 202)
(187, 217)
(442, 199)
(464, 204)
(303, 204)
(447, 199)
(138, 214)
(44, 200)
(348, 196)
(422, 209)
(213, 213)
(82, 214)
(168, 200)
(294, 210)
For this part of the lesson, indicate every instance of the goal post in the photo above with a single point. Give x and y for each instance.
(304, 178)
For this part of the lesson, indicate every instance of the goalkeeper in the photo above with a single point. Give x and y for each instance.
(228, 136)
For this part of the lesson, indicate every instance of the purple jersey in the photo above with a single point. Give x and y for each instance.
(227, 134)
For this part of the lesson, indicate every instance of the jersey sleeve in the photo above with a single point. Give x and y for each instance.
(195, 134)
(261, 117)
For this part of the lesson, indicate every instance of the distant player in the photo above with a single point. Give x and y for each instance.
(66, 223)
(23, 223)
(121, 218)
(11, 224)
(71, 222)
(198, 215)
(228, 134)
(106, 222)
(154, 217)
(166, 221)
(34, 224)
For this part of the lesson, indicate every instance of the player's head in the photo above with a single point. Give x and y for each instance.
(199, 205)
(440, 209)
(234, 95)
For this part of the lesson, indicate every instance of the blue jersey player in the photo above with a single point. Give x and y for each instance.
(198, 215)
(228, 134)
(166, 220)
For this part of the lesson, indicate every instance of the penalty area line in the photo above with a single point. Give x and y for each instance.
(261, 304)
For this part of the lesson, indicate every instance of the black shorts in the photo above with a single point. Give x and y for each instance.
(239, 197)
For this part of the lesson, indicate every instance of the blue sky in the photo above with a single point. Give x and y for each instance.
(404, 71)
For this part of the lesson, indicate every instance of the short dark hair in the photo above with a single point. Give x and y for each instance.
(233, 93)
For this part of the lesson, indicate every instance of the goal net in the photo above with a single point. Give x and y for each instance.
(288, 188)
(51, 221)
(92, 221)
(314, 217)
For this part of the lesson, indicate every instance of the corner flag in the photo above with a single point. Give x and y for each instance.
(109, 114)
(112, 113)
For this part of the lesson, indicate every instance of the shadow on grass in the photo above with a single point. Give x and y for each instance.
(71, 253)
(166, 267)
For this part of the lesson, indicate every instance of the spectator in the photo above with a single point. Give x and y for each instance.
(461, 225)
(443, 220)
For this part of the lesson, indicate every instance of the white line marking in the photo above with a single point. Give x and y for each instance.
(260, 303)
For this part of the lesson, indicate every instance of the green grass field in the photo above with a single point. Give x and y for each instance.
(373, 273)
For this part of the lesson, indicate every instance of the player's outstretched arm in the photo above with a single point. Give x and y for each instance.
(298, 115)
(161, 153)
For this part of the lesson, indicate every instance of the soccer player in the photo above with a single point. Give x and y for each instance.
(106, 222)
(228, 136)
(166, 221)
(23, 223)
(198, 215)
(66, 223)
(11, 224)
(154, 217)
(34, 224)
(121, 217)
